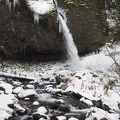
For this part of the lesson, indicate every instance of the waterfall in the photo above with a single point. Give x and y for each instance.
(73, 58)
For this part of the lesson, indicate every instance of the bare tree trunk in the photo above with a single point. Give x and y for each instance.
(16, 77)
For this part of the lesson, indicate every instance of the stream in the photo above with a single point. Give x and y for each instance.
(58, 103)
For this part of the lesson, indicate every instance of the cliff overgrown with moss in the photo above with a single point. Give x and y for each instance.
(21, 37)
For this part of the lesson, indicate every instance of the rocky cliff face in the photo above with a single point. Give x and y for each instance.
(87, 23)
(20, 36)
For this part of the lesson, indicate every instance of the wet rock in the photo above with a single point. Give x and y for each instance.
(119, 105)
(54, 106)
(106, 107)
(76, 95)
(20, 110)
(97, 103)
(2, 89)
(37, 116)
(28, 118)
(64, 108)
(54, 117)
(57, 91)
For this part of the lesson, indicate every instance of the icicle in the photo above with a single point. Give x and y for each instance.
(15, 2)
(36, 18)
(8, 2)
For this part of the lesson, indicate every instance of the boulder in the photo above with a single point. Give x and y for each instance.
(99, 114)
(63, 76)
(72, 118)
(21, 38)
(27, 93)
(42, 109)
(17, 90)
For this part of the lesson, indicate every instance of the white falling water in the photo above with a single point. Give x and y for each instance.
(71, 48)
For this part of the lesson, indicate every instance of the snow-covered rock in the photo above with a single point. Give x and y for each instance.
(88, 102)
(99, 114)
(17, 83)
(5, 100)
(17, 90)
(27, 93)
(8, 87)
(42, 109)
(61, 117)
(30, 86)
(72, 118)
(36, 103)
(27, 99)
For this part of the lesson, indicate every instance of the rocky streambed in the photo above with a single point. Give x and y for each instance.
(54, 93)
(55, 102)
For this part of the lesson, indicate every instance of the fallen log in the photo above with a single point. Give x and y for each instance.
(17, 77)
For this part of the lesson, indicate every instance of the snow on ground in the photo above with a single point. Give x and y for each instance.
(5, 111)
(99, 114)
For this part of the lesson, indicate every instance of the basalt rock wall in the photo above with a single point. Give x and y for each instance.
(19, 36)
(87, 23)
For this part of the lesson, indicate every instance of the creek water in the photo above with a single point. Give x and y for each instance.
(58, 103)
